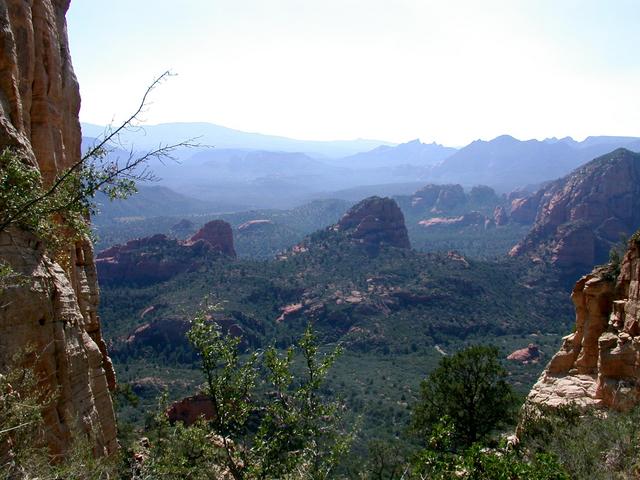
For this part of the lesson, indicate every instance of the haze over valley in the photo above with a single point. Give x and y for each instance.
(319, 240)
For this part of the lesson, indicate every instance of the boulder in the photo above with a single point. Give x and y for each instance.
(529, 354)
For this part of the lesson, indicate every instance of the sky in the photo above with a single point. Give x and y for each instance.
(450, 71)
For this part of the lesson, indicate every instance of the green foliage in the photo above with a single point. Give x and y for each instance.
(24, 202)
(415, 302)
(588, 444)
(442, 460)
(21, 408)
(386, 461)
(57, 213)
(177, 451)
(470, 390)
(279, 428)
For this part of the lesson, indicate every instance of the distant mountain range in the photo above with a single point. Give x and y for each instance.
(413, 153)
(150, 136)
(251, 170)
(505, 163)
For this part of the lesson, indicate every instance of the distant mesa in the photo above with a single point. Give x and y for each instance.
(183, 228)
(581, 216)
(376, 221)
(159, 258)
(505, 163)
(525, 209)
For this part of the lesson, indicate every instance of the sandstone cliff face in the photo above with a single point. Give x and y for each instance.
(581, 216)
(55, 311)
(159, 258)
(599, 364)
(376, 221)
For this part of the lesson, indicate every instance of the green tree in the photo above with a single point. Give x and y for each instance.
(269, 423)
(470, 389)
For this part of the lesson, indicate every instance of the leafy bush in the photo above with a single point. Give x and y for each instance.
(280, 427)
(470, 390)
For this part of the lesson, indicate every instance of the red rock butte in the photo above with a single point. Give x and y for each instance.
(376, 221)
(219, 235)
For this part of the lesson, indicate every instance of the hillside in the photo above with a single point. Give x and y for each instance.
(580, 217)
(393, 309)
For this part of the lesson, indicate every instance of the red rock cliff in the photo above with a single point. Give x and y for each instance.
(599, 364)
(580, 217)
(55, 312)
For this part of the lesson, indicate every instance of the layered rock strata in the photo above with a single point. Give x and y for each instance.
(53, 312)
(599, 363)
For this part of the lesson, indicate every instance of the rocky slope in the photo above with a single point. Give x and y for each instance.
(374, 222)
(159, 258)
(599, 364)
(55, 310)
(580, 217)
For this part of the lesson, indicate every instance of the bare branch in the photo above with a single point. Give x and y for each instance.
(113, 168)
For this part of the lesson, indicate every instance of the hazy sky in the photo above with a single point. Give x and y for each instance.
(450, 70)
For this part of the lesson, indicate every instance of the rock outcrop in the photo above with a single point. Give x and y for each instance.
(599, 364)
(218, 235)
(530, 354)
(55, 311)
(500, 216)
(159, 258)
(374, 222)
(191, 409)
(525, 209)
(580, 217)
